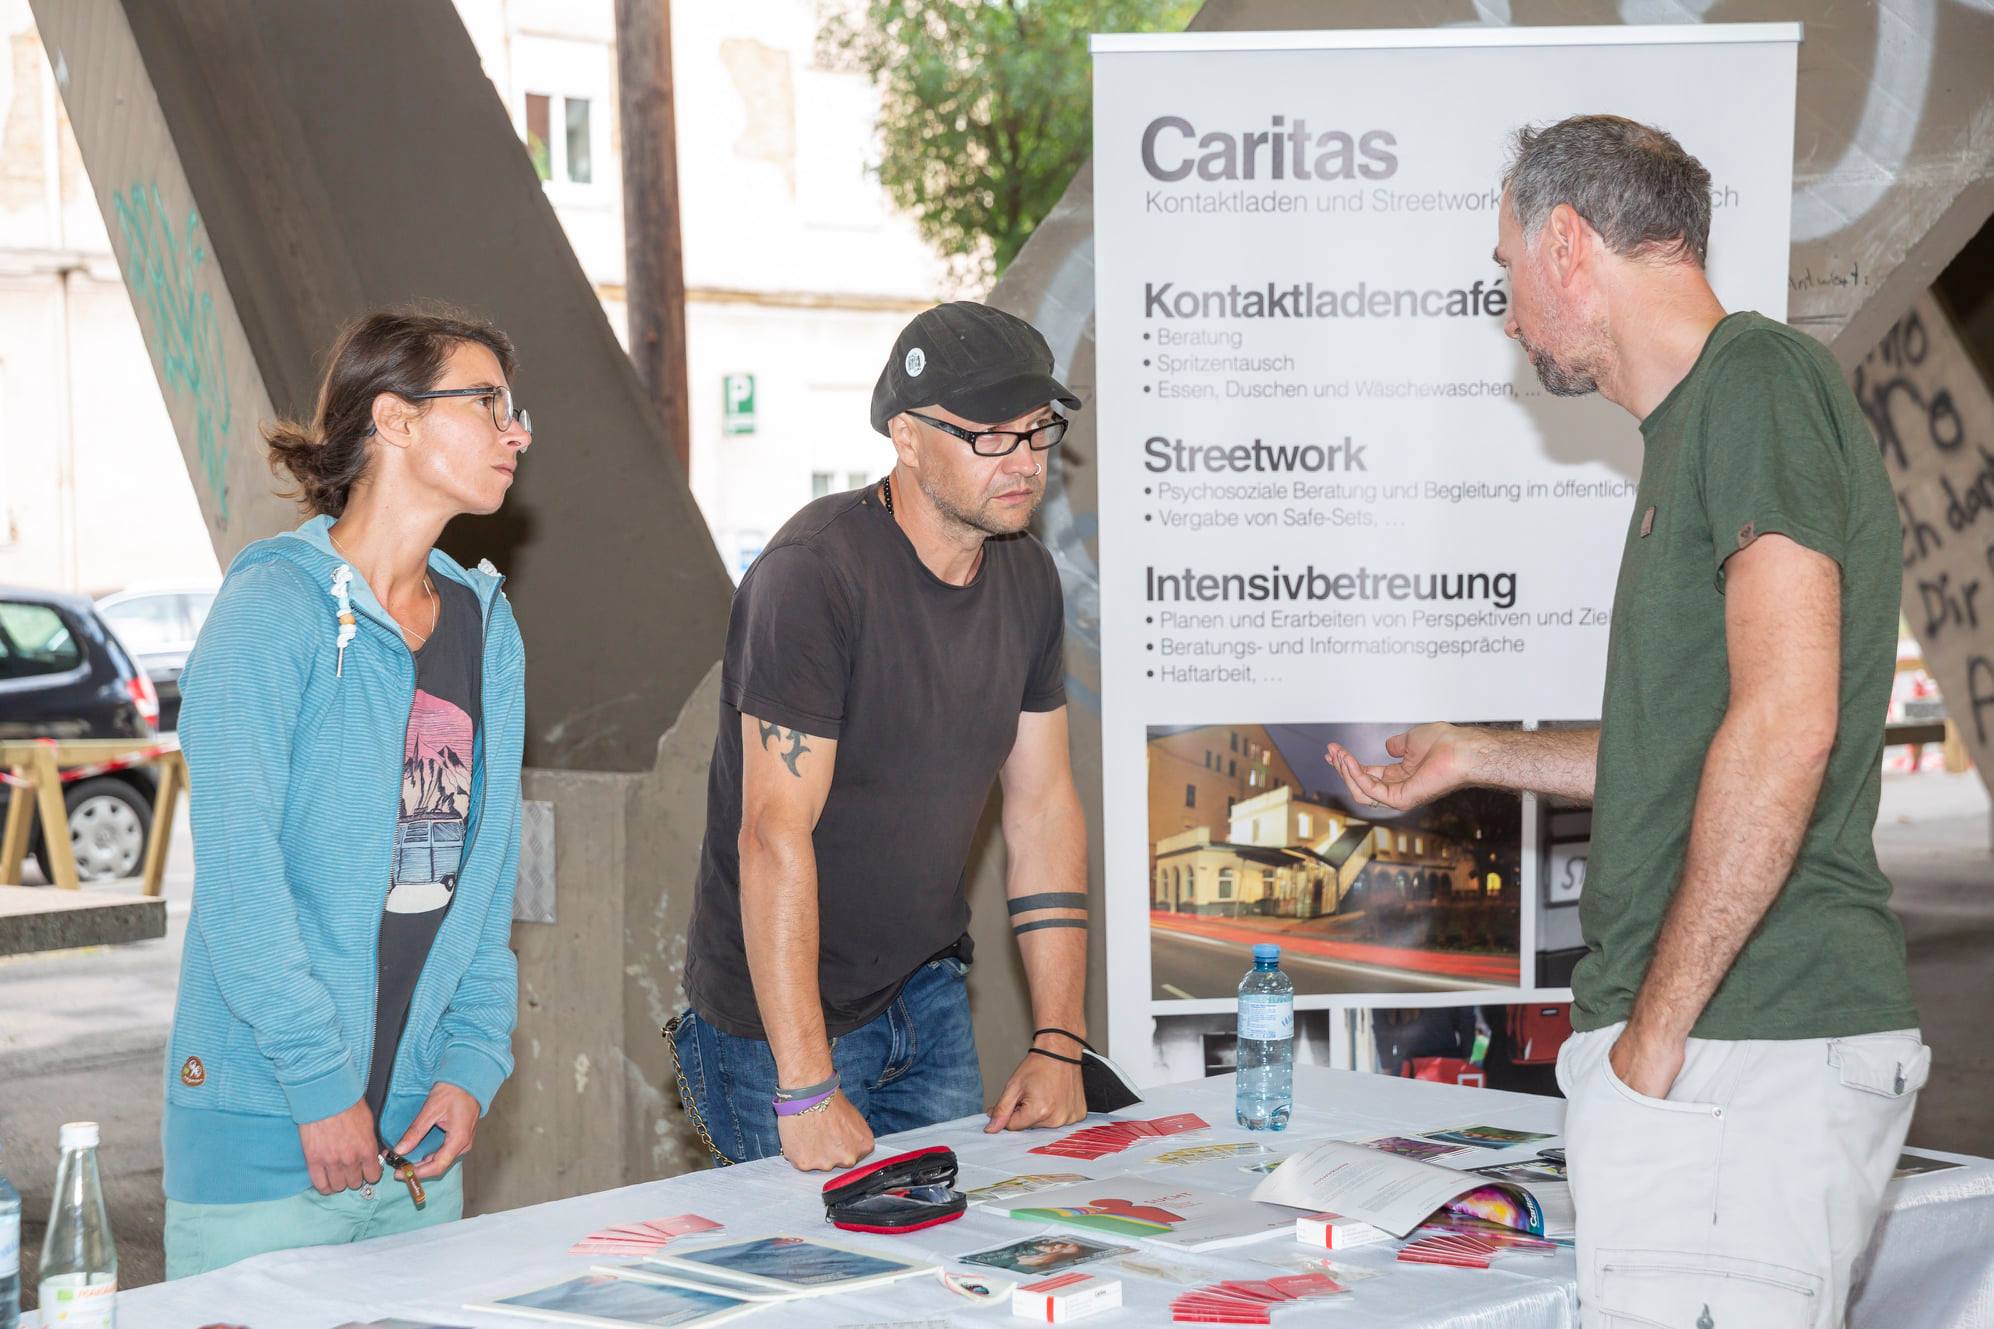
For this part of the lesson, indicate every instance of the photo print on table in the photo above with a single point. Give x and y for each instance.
(790, 1264)
(604, 1299)
(1484, 1137)
(1044, 1254)
(1253, 838)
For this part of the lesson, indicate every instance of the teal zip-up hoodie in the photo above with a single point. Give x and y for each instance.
(293, 730)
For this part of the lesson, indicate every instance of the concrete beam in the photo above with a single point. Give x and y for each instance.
(42, 918)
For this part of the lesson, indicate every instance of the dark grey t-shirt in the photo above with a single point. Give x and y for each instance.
(840, 631)
(436, 801)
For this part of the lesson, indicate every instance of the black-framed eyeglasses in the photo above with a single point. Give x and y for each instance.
(1000, 442)
(503, 413)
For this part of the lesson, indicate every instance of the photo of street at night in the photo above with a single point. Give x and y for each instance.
(1254, 838)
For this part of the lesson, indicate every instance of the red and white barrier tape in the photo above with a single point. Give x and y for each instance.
(74, 773)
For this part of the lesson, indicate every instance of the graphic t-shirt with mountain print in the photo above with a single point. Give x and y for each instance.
(429, 829)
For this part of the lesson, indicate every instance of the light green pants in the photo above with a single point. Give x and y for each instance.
(200, 1237)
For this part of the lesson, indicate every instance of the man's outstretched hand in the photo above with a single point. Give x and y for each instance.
(1433, 760)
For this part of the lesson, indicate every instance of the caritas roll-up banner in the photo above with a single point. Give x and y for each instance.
(1336, 501)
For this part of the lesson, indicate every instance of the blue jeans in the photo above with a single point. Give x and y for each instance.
(913, 1065)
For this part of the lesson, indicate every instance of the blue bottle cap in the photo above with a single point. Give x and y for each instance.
(1265, 950)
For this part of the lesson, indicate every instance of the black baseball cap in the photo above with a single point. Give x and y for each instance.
(981, 363)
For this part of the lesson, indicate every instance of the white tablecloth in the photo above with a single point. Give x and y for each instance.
(1933, 1262)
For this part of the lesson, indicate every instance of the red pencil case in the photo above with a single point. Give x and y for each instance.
(904, 1193)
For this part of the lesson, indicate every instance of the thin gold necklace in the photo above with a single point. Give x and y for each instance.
(435, 605)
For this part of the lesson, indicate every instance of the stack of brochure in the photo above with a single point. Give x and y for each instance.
(709, 1284)
(1138, 1206)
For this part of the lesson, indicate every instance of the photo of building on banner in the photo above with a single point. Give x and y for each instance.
(1253, 838)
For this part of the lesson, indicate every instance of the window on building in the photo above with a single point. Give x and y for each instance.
(537, 145)
(1229, 801)
(820, 483)
(1232, 767)
(581, 165)
(1235, 742)
(1225, 883)
(1190, 795)
(1303, 822)
(1418, 845)
(566, 154)
(1401, 844)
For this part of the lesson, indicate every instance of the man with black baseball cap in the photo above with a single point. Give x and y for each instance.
(892, 652)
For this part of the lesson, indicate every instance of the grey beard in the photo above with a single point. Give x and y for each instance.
(974, 521)
(1558, 380)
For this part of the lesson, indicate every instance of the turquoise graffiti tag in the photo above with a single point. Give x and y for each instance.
(164, 270)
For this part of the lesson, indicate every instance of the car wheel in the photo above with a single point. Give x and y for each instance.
(108, 823)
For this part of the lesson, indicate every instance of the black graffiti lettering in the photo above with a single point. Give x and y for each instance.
(1916, 530)
(1884, 395)
(1980, 691)
(1947, 604)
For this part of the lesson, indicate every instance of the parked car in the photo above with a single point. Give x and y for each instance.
(64, 674)
(158, 627)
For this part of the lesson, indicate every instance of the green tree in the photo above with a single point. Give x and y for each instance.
(986, 107)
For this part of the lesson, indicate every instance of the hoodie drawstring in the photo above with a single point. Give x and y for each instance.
(342, 576)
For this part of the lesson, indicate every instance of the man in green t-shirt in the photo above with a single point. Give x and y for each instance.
(1745, 1058)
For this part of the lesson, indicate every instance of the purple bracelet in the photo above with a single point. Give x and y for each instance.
(796, 1107)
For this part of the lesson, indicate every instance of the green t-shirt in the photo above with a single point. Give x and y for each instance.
(1761, 436)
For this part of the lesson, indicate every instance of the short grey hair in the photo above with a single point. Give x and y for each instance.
(1632, 183)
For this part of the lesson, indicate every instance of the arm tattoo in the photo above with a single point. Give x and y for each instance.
(796, 745)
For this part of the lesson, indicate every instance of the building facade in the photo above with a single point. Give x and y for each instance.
(1284, 856)
(798, 275)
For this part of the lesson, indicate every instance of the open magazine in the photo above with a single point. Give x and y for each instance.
(1398, 1194)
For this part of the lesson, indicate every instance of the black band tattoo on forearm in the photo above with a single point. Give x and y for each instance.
(1048, 900)
(796, 745)
(1019, 929)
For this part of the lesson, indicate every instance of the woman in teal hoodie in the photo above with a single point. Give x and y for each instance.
(353, 721)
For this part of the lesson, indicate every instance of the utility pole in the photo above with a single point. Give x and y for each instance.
(653, 258)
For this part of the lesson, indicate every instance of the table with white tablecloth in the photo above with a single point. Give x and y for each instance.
(1932, 1265)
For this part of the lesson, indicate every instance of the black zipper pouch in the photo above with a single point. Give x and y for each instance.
(904, 1193)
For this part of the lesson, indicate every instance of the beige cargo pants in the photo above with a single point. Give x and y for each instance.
(1745, 1199)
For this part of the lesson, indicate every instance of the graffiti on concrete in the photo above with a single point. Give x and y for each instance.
(166, 267)
(1934, 421)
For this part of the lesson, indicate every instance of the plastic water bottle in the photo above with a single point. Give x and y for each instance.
(79, 1275)
(1266, 1059)
(10, 1255)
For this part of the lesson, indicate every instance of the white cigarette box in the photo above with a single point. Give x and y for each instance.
(1333, 1232)
(1066, 1297)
